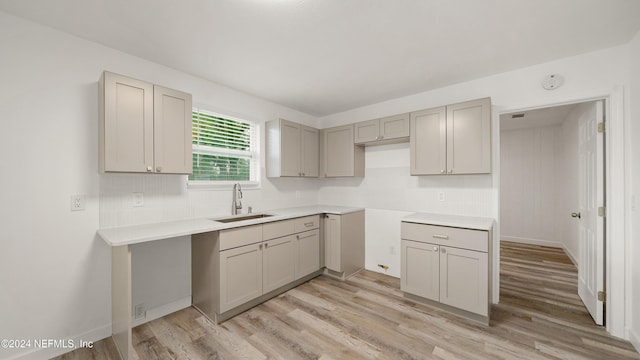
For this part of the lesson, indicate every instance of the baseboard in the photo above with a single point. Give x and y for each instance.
(69, 344)
(570, 255)
(634, 339)
(530, 241)
(163, 310)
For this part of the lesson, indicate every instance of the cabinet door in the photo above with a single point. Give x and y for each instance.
(307, 253)
(394, 127)
(278, 263)
(290, 141)
(332, 242)
(127, 124)
(240, 276)
(340, 152)
(464, 279)
(428, 147)
(469, 137)
(420, 270)
(172, 124)
(310, 151)
(366, 131)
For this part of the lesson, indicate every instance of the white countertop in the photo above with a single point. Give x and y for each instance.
(467, 222)
(128, 235)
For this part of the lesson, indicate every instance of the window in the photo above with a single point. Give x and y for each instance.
(224, 149)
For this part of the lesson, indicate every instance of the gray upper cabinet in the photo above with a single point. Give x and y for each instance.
(387, 130)
(292, 149)
(143, 127)
(340, 155)
(455, 139)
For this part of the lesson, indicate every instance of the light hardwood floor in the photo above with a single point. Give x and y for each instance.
(539, 317)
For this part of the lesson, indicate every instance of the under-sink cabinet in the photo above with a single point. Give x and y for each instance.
(235, 269)
(448, 266)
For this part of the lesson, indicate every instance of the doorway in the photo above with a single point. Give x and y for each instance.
(552, 188)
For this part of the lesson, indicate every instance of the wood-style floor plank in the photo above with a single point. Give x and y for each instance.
(540, 316)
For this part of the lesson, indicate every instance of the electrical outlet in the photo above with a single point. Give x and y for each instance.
(139, 312)
(138, 199)
(77, 202)
(441, 196)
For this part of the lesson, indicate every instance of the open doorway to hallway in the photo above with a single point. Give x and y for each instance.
(552, 188)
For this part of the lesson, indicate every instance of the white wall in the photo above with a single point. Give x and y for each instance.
(54, 271)
(530, 184)
(633, 281)
(587, 76)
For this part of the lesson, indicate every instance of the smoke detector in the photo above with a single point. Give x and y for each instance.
(552, 82)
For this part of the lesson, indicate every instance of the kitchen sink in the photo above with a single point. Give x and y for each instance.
(242, 218)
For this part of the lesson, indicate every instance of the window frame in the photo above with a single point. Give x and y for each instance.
(255, 182)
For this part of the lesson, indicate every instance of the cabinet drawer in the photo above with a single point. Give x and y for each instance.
(306, 223)
(233, 238)
(477, 240)
(278, 229)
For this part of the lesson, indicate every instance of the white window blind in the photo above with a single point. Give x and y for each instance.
(224, 149)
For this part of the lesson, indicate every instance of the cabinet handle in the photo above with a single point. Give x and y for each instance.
(435, 248)
(450, 171)
(303, 174)
(149, 169)
(304, 237)
(308, 224)
(159, 169)
(265, 245)
(444, 237)
(381, 137)
(442, 171)
(260, 247)
(443, 250)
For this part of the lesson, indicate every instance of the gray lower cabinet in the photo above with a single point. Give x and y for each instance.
(240, 275)
(235, 269)
(278, 262)
(307, 253)
(344, 244)
(447, 265)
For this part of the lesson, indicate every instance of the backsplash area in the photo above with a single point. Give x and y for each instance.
(168, 198)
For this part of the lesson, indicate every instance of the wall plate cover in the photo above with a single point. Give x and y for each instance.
(77, 202)
(552, 82)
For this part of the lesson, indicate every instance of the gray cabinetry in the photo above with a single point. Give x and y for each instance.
(455, 139)
(235, 269)
(447, 265)
(143, 128)
(382, 131)
(340, 156)
(344, 243)
(293, 150)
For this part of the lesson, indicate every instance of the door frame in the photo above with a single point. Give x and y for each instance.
(617, 273)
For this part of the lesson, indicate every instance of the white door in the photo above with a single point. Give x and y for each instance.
(591, 230)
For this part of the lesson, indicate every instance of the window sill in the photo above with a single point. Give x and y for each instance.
(222, 185)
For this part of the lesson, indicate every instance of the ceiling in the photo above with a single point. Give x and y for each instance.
(327, 56)
(542, 117)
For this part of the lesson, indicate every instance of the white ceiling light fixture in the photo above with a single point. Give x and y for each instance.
(552, 82)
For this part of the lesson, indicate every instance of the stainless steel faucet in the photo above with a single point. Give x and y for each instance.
(237, 195)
